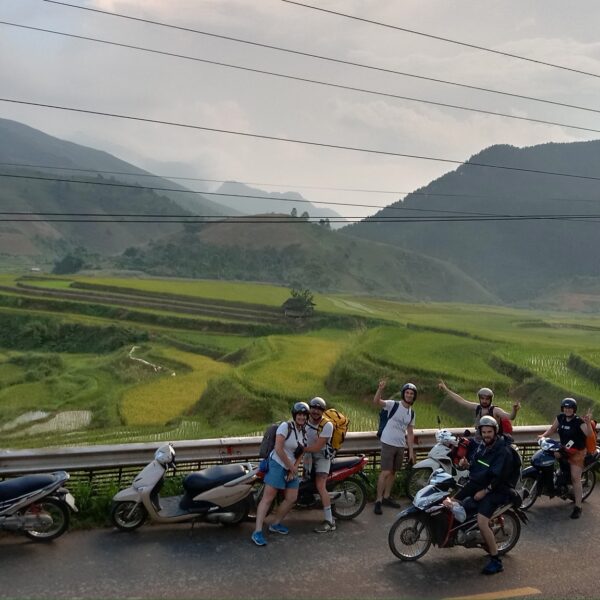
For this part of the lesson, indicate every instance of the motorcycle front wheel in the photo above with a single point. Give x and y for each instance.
(352, 500)
(57, 510)
(128, 516)
(417, 480)
(530, 491)
(507, 531)
(588, 481)
(409, 538)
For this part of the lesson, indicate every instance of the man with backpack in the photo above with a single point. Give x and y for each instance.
(396, 436)
(485, 407)
(318, 455)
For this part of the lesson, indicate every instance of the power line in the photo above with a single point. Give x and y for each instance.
(441, 39)
(321, 57)
(298, 141)
(304, 79)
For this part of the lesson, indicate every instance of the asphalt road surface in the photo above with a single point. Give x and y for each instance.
(555, 558)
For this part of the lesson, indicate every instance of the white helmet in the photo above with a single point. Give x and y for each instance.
(486, 392)
(446, 438)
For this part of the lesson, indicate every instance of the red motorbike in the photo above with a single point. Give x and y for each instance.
(346, 486)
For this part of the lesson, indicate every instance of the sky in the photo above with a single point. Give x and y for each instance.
(45, 68)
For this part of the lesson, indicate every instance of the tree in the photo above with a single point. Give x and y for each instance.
(294, 212)
(305, 215)
(68, 264)
(299, 304)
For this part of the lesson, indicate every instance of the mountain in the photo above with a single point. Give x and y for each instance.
(22, 189)
(516, 260)
(304, 254)
(242, 199)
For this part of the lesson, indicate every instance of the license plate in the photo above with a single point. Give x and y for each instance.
(70, 500)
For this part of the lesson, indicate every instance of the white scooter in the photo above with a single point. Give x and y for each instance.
(441, 456)
(220, 494)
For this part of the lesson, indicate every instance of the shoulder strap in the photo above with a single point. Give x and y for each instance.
(394, 409)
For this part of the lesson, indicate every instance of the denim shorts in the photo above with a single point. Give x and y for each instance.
(276, 477)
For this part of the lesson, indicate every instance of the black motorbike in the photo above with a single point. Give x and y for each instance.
(549, 476)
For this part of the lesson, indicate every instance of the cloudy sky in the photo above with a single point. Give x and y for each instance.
(45, 68)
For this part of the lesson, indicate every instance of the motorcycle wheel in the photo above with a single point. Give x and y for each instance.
(417, 480)
(128, 516)
(59, 512)
(510, 531)
(352, 501)
(588, 481)
(530, 491)
(409, 538)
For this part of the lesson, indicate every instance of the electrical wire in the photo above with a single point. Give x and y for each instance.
(440, 38)
(320, 57)
(307, 80)
(297, 141)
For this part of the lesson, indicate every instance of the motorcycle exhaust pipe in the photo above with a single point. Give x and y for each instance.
(19, 523)
(222, 517)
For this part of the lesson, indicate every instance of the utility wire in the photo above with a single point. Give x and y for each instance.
(304, 79)
(440, 38)
(298, 141)
(324, 58)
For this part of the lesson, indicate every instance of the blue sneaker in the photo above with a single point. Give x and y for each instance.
(494, 566)
(279, 528)
(259, 539)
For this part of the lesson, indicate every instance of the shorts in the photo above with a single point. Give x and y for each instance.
(392, 457)
(488, 505)
(576, 457)
(276, 477)
(320, 464)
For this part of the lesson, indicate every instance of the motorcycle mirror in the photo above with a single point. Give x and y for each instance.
(467, 433)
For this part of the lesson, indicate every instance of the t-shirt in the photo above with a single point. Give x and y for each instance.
(297, 436)
(312, 434)
(394, 432)
(571, 430)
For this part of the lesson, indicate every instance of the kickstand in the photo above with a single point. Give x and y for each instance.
(191, 533)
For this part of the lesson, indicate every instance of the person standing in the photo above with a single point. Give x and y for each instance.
(396, 437)
(318, 455)
(290, 440)
(573, 432)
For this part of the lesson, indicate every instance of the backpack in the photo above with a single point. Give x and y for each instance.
(513, 474)
(268, 442)
(590, 442)
(384, 417)
(504, 424)
(340, 427)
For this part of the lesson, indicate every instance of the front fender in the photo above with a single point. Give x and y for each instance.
(411, 509)
(127, 495)
(428, 463)
(530, 472)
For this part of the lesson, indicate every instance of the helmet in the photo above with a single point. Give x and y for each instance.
(318, 402)
(568, 403)
(485, 392)
(446, 438)
(408, 386)
(487, 421)
(299, 407)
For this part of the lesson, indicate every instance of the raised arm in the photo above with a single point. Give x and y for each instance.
(458, 399)
(586, 426)
(377, 399)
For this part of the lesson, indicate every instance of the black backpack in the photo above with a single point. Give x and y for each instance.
(513, 470)
(268, 441)
(385, 416)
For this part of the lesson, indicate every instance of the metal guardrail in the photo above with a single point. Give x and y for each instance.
(121, 458)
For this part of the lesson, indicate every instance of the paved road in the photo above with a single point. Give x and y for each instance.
(354, 562)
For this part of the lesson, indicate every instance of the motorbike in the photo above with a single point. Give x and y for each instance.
(430, 520)
(38, 506)
(549, 476)
(445, 455)
(220, 494)
(346, 486)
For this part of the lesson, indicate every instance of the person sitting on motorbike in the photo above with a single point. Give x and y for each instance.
(318, 455)
(489, 461)
(484, 406)
(572, 431)
(290, 441)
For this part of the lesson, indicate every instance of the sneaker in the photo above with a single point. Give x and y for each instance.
(259, 539)
(576, 512)
(494, 566)
(377, 510)
(391, 502)
(326, 527)
(279, 528)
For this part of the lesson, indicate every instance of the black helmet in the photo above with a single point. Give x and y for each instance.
(568, 403)
(408, 386)
(299, 407)
(488, 421)
(318, 402)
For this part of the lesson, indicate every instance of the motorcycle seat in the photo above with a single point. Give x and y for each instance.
(204, 480)
(344, 462)
(20, 486)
